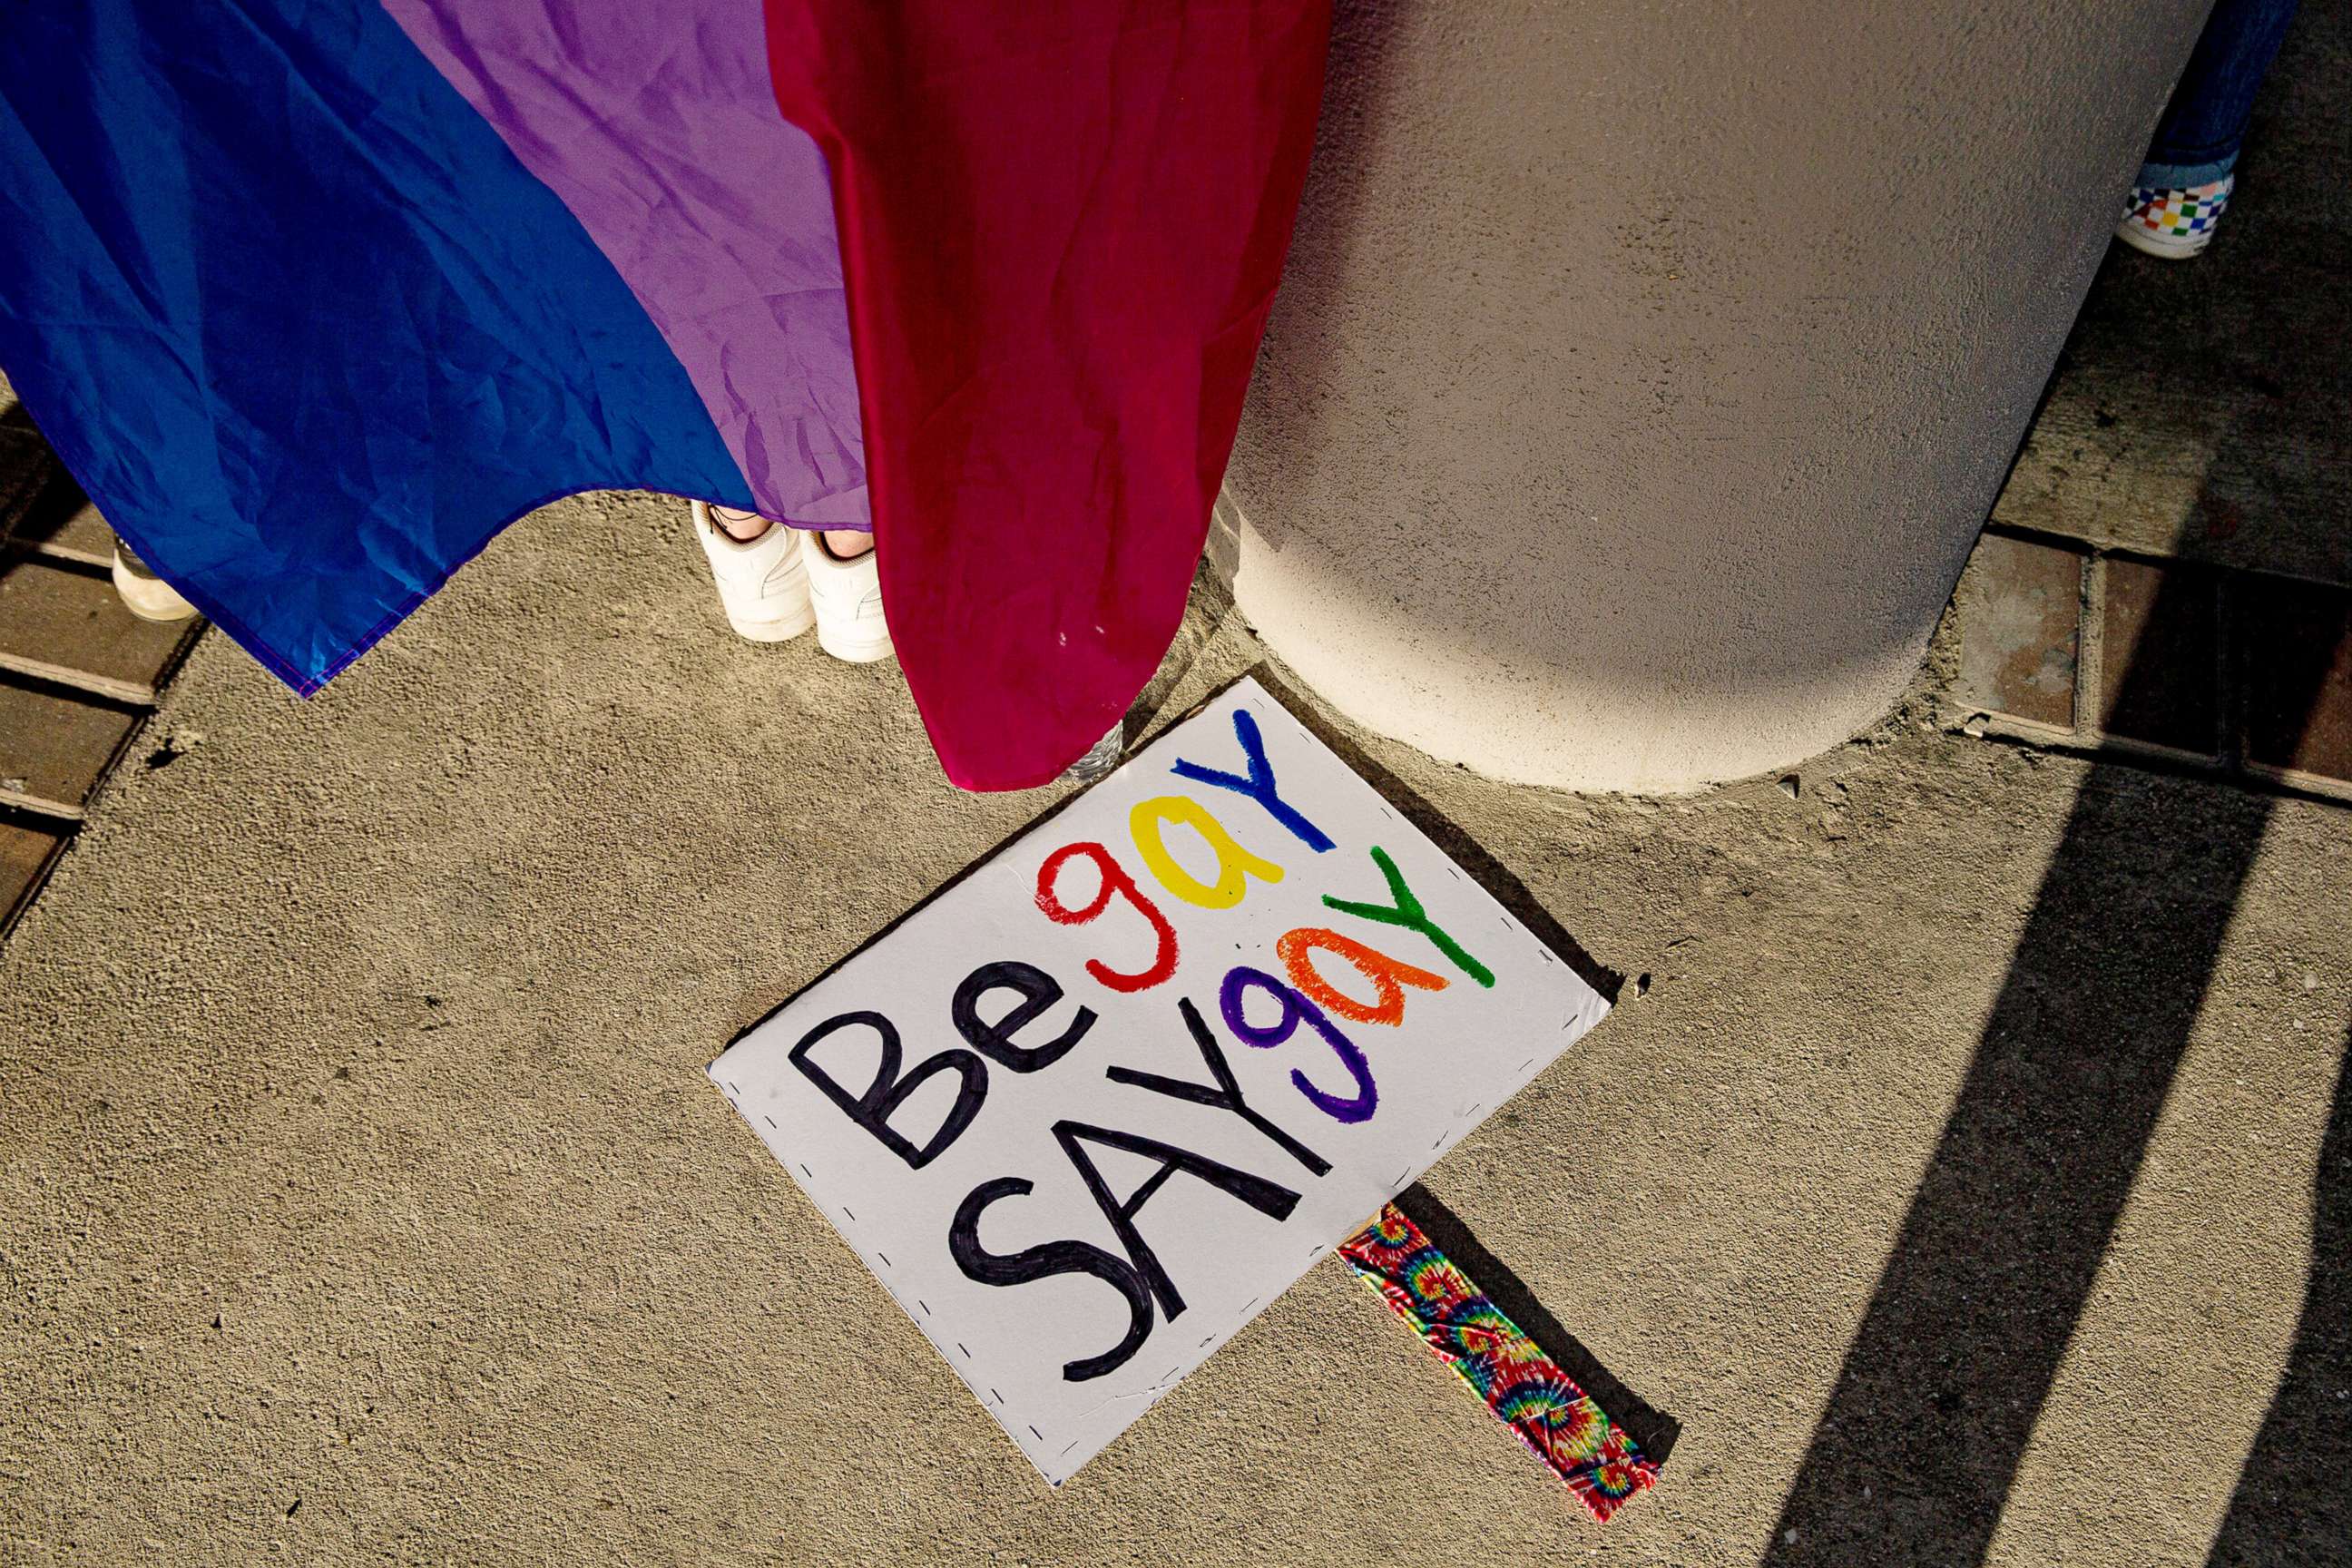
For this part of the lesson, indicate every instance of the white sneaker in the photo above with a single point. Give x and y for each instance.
(848, 599)
(764, 585)
(145, 594)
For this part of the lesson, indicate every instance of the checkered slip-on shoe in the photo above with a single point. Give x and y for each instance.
(2172, 223)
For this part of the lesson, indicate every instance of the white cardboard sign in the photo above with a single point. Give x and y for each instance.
(1085, 1113)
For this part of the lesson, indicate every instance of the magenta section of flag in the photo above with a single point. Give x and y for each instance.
(657, 125)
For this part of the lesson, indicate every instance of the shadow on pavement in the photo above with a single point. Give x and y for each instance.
(1649, 1427)
(2294, 1500)
(1916, 1451)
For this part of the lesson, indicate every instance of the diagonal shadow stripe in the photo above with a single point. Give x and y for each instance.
(2293, 1504)
(1917, 1447)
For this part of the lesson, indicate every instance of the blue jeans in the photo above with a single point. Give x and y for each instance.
(2197, 140)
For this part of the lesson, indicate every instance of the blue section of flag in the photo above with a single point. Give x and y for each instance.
(296, 319)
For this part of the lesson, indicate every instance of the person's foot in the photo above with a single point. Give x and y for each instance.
(848, 592)
(145, 595)
(763, 581)
(2174, 222)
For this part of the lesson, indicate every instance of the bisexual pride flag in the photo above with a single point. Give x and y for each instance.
(315, 296)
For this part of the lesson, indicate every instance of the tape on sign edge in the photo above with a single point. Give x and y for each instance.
(1526, 1389)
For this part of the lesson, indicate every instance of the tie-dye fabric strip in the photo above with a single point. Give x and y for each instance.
(1525, 1388)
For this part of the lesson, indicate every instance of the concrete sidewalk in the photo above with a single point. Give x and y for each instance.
(362, 1199)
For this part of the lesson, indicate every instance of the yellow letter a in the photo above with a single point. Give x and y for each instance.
(1236, 865)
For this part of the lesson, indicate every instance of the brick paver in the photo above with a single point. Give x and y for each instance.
(78, 671)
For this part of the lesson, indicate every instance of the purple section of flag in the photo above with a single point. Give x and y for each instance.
(655, 124)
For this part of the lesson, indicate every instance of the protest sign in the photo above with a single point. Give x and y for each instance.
(1093, 1107)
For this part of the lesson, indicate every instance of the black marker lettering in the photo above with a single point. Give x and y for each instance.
(1050, 1258)
(1038, 992)
(1226, 1095)
(1268, 1198)
(873, 1109)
